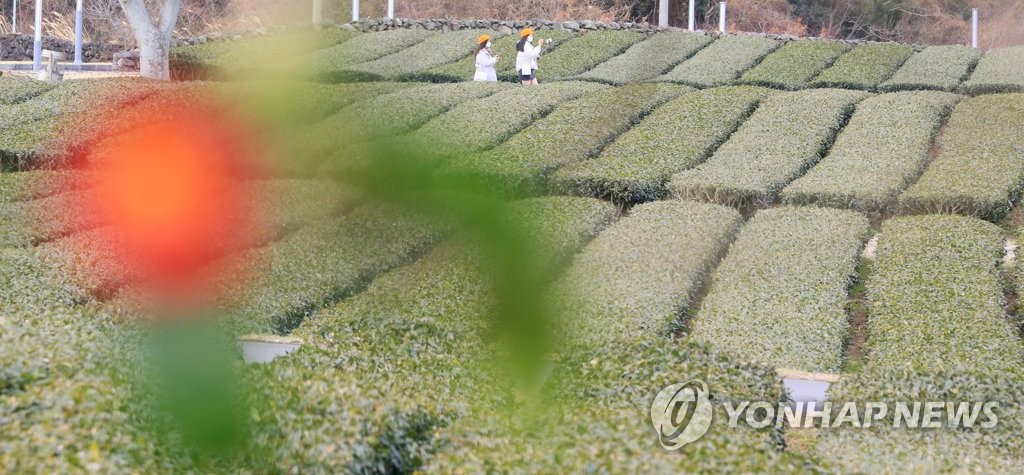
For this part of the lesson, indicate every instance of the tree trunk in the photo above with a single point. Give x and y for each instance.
(154, 51)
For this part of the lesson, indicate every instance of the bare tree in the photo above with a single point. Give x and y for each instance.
(152, 36)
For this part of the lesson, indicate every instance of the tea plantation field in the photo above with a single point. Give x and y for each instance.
(694, 207)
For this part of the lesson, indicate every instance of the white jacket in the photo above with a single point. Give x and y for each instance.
(485, 67)
(526, 60)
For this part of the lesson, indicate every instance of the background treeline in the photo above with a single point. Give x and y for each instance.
(905, 21)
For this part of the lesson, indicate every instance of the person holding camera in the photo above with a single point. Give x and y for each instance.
(526, 57)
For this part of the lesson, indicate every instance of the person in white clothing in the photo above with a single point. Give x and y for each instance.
(526, 57)
(485, 61)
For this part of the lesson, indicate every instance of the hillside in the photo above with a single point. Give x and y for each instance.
(693, 206)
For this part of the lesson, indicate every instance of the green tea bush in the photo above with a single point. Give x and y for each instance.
(676, 136)
(504, 46)
(787, 135)
(883, 149)
(34, 184)
(233, 58)
(28, 223)
(615, 287)
(573, 132)
(721, 62)
(937, 67)
(980, 169)
(580, 54)
(409, 63)
(329, 63)
(14, 90)
(649, 58)
(30, 284)
(794, 65)
(935, 297)
(300, 104)
(865, 67)
(1001, 70)
(779, 296)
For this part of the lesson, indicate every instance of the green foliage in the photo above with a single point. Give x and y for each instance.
(362, 49)
(14, 90)
(980, 169)
(937, 67)
(28, 185)
(30, 222)
(504, 46)
(721, 62)
(649, 58)
(935, 297)
(409, 63)
(1001, 70)
(617, 288)
(573, 132)
(794, 65)
(582, 53)
(236, 57)
(676, 136)
(787, 135)
(882, 151)
(779, 296)
(290, 105)
(865, 67)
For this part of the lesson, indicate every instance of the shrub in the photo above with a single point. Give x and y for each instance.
(580, 54)
(505, 46)
(30, 284)
(302, 103)
(935, 297)
(980, 169)
(865, 67)
(937, 67)
(787, 135)
(330, 62)
(28, 223)
(616, 288)
(1001, 70)
(649, 58)
(882, 151)
(523, 162)
(14, 90)
(722, 62)
(794, 65)
(779, 296)
(230, 58)
(409, 63)
(676, 136)
(29, 185)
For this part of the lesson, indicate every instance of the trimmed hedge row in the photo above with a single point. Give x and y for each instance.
(408, 63)
(980, 169)
(883, 448)
(618, 288)
(28, 223)
(779, 296)
(30, 284)
(573, 132)
(329, 62)
(793, 66)
(504, 46)
(14, 90)
(29, 185)
(882, 151)
(788, 134)
(649, 58)
(676, 136)
(290, 105)
(322, 263)
(936, 299)
(1001, 70)
(937, 67)
(582, 53)
(865, 67)
(722, 62)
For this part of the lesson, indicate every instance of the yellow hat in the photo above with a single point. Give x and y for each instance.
(483, 39)
(525, 32)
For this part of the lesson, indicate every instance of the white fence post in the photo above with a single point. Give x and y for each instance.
(391, 9)
(37, 46)
(721, 17)
(663, 13)
(78, 32)
(355, 10)
(693, 15)
(974, 27)
(14, 17)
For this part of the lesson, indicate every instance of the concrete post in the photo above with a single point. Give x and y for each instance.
(355, 10)
(37, 46)
(318, 12)
(14, 17)
(662, 13)
(693, 15)
(721, 17)
(974, 27)
(78, 32)
(391, 9)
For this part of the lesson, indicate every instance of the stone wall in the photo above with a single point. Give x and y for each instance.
(19, 48)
